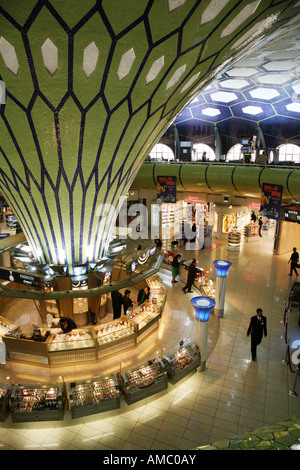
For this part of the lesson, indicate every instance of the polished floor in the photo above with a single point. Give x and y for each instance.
(232, 396)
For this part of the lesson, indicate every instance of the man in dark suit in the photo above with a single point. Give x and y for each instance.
(117, 302)
(192, 273)
(257, 328)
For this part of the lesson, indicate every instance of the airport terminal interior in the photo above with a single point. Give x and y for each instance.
(132, 132)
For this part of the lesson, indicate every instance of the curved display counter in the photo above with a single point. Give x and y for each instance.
(49, 348)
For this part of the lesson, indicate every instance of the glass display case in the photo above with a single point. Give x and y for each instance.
(115, 336)
(37, 402)
(145, 315)
(76, 339)
(4, 401)
(77, 346)
(182, 360)
(98, 395)
(139, 383)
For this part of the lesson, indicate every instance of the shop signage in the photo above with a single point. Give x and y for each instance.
(142, 259)
(271, 201)
(166, 189)
(292, 214)
(20, 278)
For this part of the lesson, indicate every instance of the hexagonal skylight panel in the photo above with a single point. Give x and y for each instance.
(126, 63)
(9, 55)
(176, 76)
(296, 87)
(279, 65)
(241, 72)
(274, 78)
(155, 69)
(223, 96)
(294, 107)
(90, 58)
(253, 110)
(264, 93)
(234, 84)
(50, 57)
(211, 112)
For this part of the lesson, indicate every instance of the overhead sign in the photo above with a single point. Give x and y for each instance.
(166, 189)
(271, 201)
(134, 264)
(20, 277)
(292, 213)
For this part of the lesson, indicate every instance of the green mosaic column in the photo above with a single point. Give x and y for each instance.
(90, 88)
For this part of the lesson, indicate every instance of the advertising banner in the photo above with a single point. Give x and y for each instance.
(166, 189)
(271, 201)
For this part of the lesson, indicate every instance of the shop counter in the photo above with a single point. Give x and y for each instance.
(115, 336)
(37, 402)
(144, 381)
(95, 396)
(77, 346)
(182, 360)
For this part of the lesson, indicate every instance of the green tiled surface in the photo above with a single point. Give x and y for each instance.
(284, 435)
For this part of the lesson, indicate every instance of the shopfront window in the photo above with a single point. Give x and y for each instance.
(289, 153)
(199, 149)
(161, 152)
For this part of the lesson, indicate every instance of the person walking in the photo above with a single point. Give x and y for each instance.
(192, 273)
(175, 267)
(260, 223)
(117, 302)
(294, 260)
(257, 328)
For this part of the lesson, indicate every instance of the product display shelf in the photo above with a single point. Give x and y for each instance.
(181, 361)
(95, 396)
(78, 345)
(234, 241)
(114, 336)
(5, 390)
(146, 317)
(143, 381)
(37, 402)
(251, 232)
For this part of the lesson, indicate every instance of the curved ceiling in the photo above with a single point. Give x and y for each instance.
(262, 89)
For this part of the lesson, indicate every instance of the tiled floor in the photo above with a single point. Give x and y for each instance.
(232, 396)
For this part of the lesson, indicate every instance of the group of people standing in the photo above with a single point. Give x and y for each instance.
(125, 301)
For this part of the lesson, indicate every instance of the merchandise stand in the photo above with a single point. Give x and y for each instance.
(95, 396)
(37, 403)
(144, 381)
(181, 361)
